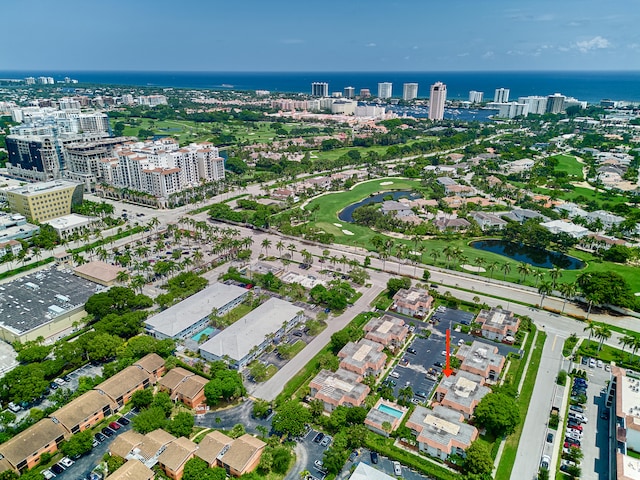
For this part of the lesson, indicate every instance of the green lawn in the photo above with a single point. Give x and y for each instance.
(569, 164)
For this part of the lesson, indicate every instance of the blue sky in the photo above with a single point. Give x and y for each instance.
(328, 35)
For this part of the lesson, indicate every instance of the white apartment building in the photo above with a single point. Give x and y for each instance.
(152, 100)
(409, 91)
(161, 167)
(384, 89)
(510, 109)
(537, 104)
(501, 95)
(476, 97)
(437, 100)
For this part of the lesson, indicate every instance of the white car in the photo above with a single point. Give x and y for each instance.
(592, 363)
(48, 474)
(397, 468)
(600, 364)
(67, 462)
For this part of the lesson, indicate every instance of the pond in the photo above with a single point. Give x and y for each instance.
(537, 257)
(346, 215)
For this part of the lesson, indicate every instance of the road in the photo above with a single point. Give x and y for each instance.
(533, 438)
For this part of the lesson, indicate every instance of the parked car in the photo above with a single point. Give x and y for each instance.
(570, 443)
(549, 437)
(576, 408)
(600, 364)
(14, 408)
(325, 441)
(115, 426)
(108, 432)
(353, 456)
(48, 474)
(545, 461)
(67, 462)
(100, 437)
(123, 421)
(420, 393)
(57, 469)
(397, 468)
(374, 457)
(318, 438)
(592, 363)
(412, 351)
(575, 427)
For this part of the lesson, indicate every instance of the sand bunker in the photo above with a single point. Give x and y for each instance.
(471, 268)
(338, 224)
(386, 183)
(347, 232)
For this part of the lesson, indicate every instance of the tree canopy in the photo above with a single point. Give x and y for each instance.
(498, 413)
(291, 418)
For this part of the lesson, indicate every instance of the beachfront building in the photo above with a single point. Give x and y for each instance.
(243, 341)
(441, 432)
(192, 315)
(341, 387)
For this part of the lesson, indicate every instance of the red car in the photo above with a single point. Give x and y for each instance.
(569, 445)
(575, 427)
(115, 425)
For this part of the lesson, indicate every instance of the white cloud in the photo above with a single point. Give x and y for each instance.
(370, 45)
(488, 54)
(465, 54)
(596, 43)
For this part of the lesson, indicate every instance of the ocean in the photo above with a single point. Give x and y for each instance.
(589, 86)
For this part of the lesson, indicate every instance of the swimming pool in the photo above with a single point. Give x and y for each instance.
(390, 411)
(207, 332)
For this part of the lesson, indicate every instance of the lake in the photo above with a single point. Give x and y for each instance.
(533, 256)
(346, 215)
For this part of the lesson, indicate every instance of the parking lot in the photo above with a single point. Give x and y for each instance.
(595, 440)
(384, 465)
(314, 452)
(429, 351)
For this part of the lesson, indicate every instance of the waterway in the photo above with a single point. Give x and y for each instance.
(533, 256)
(346, 215)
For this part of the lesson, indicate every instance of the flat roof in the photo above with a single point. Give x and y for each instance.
(464, 388)
(237, 340)
(442, 425)
(102, 271)
(628, 467)
(70, 221)
(25, 302)
(43, 187)
(179, 317)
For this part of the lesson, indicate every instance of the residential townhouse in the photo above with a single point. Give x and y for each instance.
(133, 470)
(481, 359)
(341, 387)
(24, 451)
(386, 330)
(498, 324)
(183, 386)
(363, 358)
(461, 392)
(414, 302)
(175, 456)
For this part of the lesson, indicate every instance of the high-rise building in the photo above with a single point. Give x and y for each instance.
(476, 97)
(501, 95)
(436, 101)
(409, 91)
(349, 92)
(537, 105)
(365, 93)
(555, 103)
(320, 89)
(384, 89)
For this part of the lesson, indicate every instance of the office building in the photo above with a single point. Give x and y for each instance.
(39, 202)
(501, 95)
(476, 97)
(409, 91)
(555, 103)
(320, 89)
(437, 100)
(349, 92)
(384, 89)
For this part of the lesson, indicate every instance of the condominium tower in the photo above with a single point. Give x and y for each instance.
(409, 91)
(384, 89)
(436, 101)
(349, 92)
(475, 97)
(501, 95)
(320, 89)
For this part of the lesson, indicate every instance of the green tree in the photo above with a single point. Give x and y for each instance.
(478, 459)
(181, 425)
(150, 419)
(78, 444)
(142, 398)
(198, 469)
(395, 284)
(281, 460)
(291, 418)
(498, 413)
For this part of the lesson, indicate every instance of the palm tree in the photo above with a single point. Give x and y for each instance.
(567, 290)
(266, 243)
(491, 268)
(555, 273)
(197, 257)
(280, 247)
(506, 268)
(292, 248)
(479, 262)
(544, 289)
(448, 252)
(122, 276)
(538, 274)
(603, 333)
(591, 328)
(138, 282)
(435, 254)
(626, 341)
(523, 270)
(636, 344)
